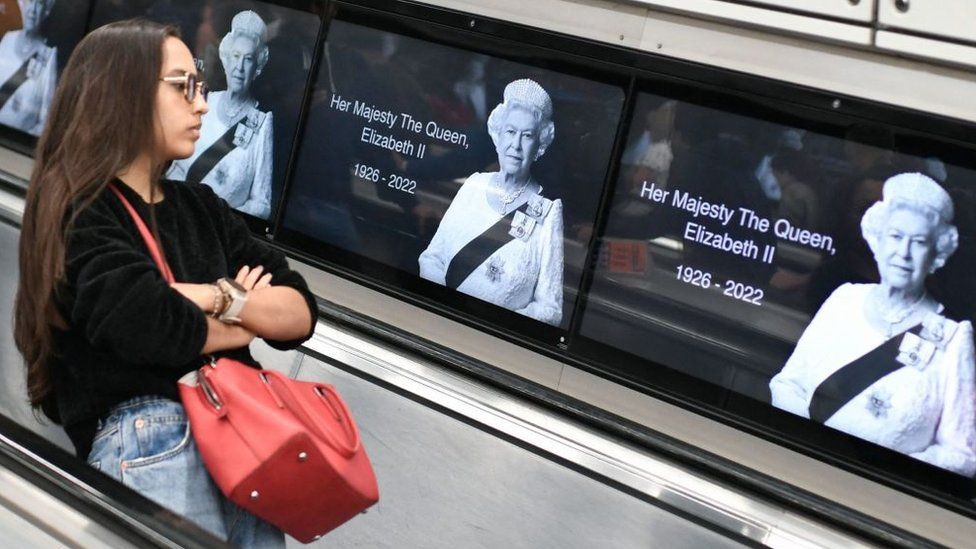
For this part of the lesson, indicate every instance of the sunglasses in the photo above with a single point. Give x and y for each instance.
(190, 85)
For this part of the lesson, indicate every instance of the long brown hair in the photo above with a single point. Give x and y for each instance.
(101, 119)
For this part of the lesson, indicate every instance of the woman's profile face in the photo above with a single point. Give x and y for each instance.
(518, 142)
(177, 120)
(906, 250)
(33, 12)
(240, 63)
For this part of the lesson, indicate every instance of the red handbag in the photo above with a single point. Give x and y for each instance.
(286, 450)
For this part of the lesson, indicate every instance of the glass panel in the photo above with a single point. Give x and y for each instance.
(470, 171)
(38, 37)
(769, 259)
(256, 58)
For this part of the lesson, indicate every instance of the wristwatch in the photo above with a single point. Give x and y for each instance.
(235, 296)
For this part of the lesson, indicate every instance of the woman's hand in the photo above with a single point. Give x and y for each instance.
(205, 296)
(276, 312)
(251, 278)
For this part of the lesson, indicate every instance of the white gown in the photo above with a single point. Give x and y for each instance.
(525, 276)
(243, 176)
(927, 411)
(28, 106)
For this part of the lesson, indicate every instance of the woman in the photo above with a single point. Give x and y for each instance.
(879, 361)
(104, 336)
(500, 239)
(234, 155)
(28, 70)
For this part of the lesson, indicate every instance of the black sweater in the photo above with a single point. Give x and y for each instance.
(131, 334)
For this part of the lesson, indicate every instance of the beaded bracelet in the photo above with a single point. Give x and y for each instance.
(219, 301)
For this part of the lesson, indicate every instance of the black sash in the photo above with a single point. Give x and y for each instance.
(14, 83)
(848, 382)
(476, 251)
(212, 156)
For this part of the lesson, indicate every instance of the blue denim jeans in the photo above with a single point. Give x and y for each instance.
(145, 444)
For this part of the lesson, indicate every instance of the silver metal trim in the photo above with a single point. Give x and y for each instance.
(119, 513)
(42, 520)
(209, 393)
(11, 207)
(724, 507)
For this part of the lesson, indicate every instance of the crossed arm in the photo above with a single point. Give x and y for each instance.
(272, 312)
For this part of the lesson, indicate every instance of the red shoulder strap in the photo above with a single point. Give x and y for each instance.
(147, 236)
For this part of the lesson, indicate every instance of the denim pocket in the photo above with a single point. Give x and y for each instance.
(159, 438)
(162, 463)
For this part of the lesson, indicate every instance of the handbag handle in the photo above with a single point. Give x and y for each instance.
(336, 407)
(330, 397)
(209, 394)
(147, 236)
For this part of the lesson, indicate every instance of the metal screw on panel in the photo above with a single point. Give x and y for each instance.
(902, 5)
(835, 104)
(254, 494)
(471, 23)
(302, 456)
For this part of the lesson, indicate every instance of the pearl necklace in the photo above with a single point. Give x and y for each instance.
(230, 116)
(898, 316)
(512, 196)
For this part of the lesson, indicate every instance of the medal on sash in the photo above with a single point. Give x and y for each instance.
(522, 226)
(246, 129)
(34, 67)
(915, 351)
